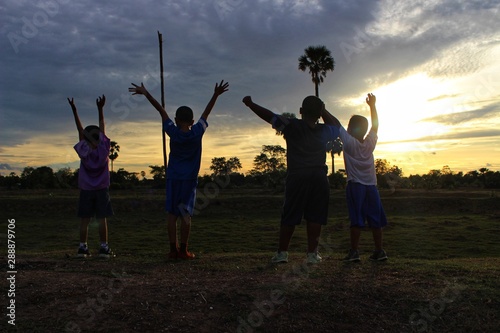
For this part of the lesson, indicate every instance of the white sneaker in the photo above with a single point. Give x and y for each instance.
(313, 258)
(280, 257)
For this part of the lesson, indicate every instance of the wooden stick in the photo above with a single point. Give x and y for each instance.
(160, 40)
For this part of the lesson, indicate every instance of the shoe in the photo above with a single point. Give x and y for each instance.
(379, 256)
(106, 253)
(352, 256)
(185, 255)
(83, 252)
(313, 258)
(280, 257)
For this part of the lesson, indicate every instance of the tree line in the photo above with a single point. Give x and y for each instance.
(269, 171)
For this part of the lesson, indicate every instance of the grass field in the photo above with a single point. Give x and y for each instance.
(442, 274)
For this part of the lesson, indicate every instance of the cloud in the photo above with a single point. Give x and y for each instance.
(467, 116)
(5, 166)
(56, 49)
(492, 134)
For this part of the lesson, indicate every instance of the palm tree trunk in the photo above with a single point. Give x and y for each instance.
(316, 84)
(333, 162)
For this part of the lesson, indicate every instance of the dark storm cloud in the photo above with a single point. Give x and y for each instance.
(56, 49)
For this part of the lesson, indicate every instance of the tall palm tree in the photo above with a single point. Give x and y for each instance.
(113, 152)
(319, 60)
(334, 147)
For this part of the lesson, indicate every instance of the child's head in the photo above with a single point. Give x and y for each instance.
(312, 107)
(91, 135)
(358, 125)
(184, 115)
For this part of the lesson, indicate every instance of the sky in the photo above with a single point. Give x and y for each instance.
(433, 65)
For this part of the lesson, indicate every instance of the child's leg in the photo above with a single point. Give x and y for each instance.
(172, 231)
(103, 230)
(377, 238)
(185, 231)
(355, 233)
(185, 228)
(84, 229)
(286, 233)
(313, 233)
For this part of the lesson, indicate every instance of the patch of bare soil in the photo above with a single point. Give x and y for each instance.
(67, 295)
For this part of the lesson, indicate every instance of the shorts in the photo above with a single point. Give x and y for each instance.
(307, 195)
(365, 206)
(181, 196)
(94, 203)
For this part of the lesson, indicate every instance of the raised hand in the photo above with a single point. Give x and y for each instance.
(247, 100)
(138, 90)
(100, 101)
(371, 99)
(221, 88)
(72, 103)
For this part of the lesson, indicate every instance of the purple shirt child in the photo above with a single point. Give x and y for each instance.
(94, 164)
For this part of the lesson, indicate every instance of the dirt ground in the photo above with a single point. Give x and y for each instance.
(215, 294)
(243, 292)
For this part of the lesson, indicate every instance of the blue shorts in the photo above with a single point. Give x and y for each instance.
(94, 203)
(181, 196)
(307, 195)
(364, 205)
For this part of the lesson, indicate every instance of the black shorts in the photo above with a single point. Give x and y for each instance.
(94, 203)
(307, 196)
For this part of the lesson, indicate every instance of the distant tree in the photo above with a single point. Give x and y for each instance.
(12, 180)
(158, 173)
(113, 152)
(387, 176)
(493, 180)
(318, 60)
(218, 165)
(270, 165)
(447, 178)
(482, 176)
(334, 147)
(65, 178)
(221, 166)
(338, 179)
(271, 159)
(431, 180)
(381, 166)
(122, 179)
(288, 115)
(41, 177)
(471, 178)
(233, 164)
(415, 181)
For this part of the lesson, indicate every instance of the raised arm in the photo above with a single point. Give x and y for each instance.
(371, 100)
(330, 119)
(79, 126)
(263, 113)
(100, 101)
(141, 90)
(218, 90)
